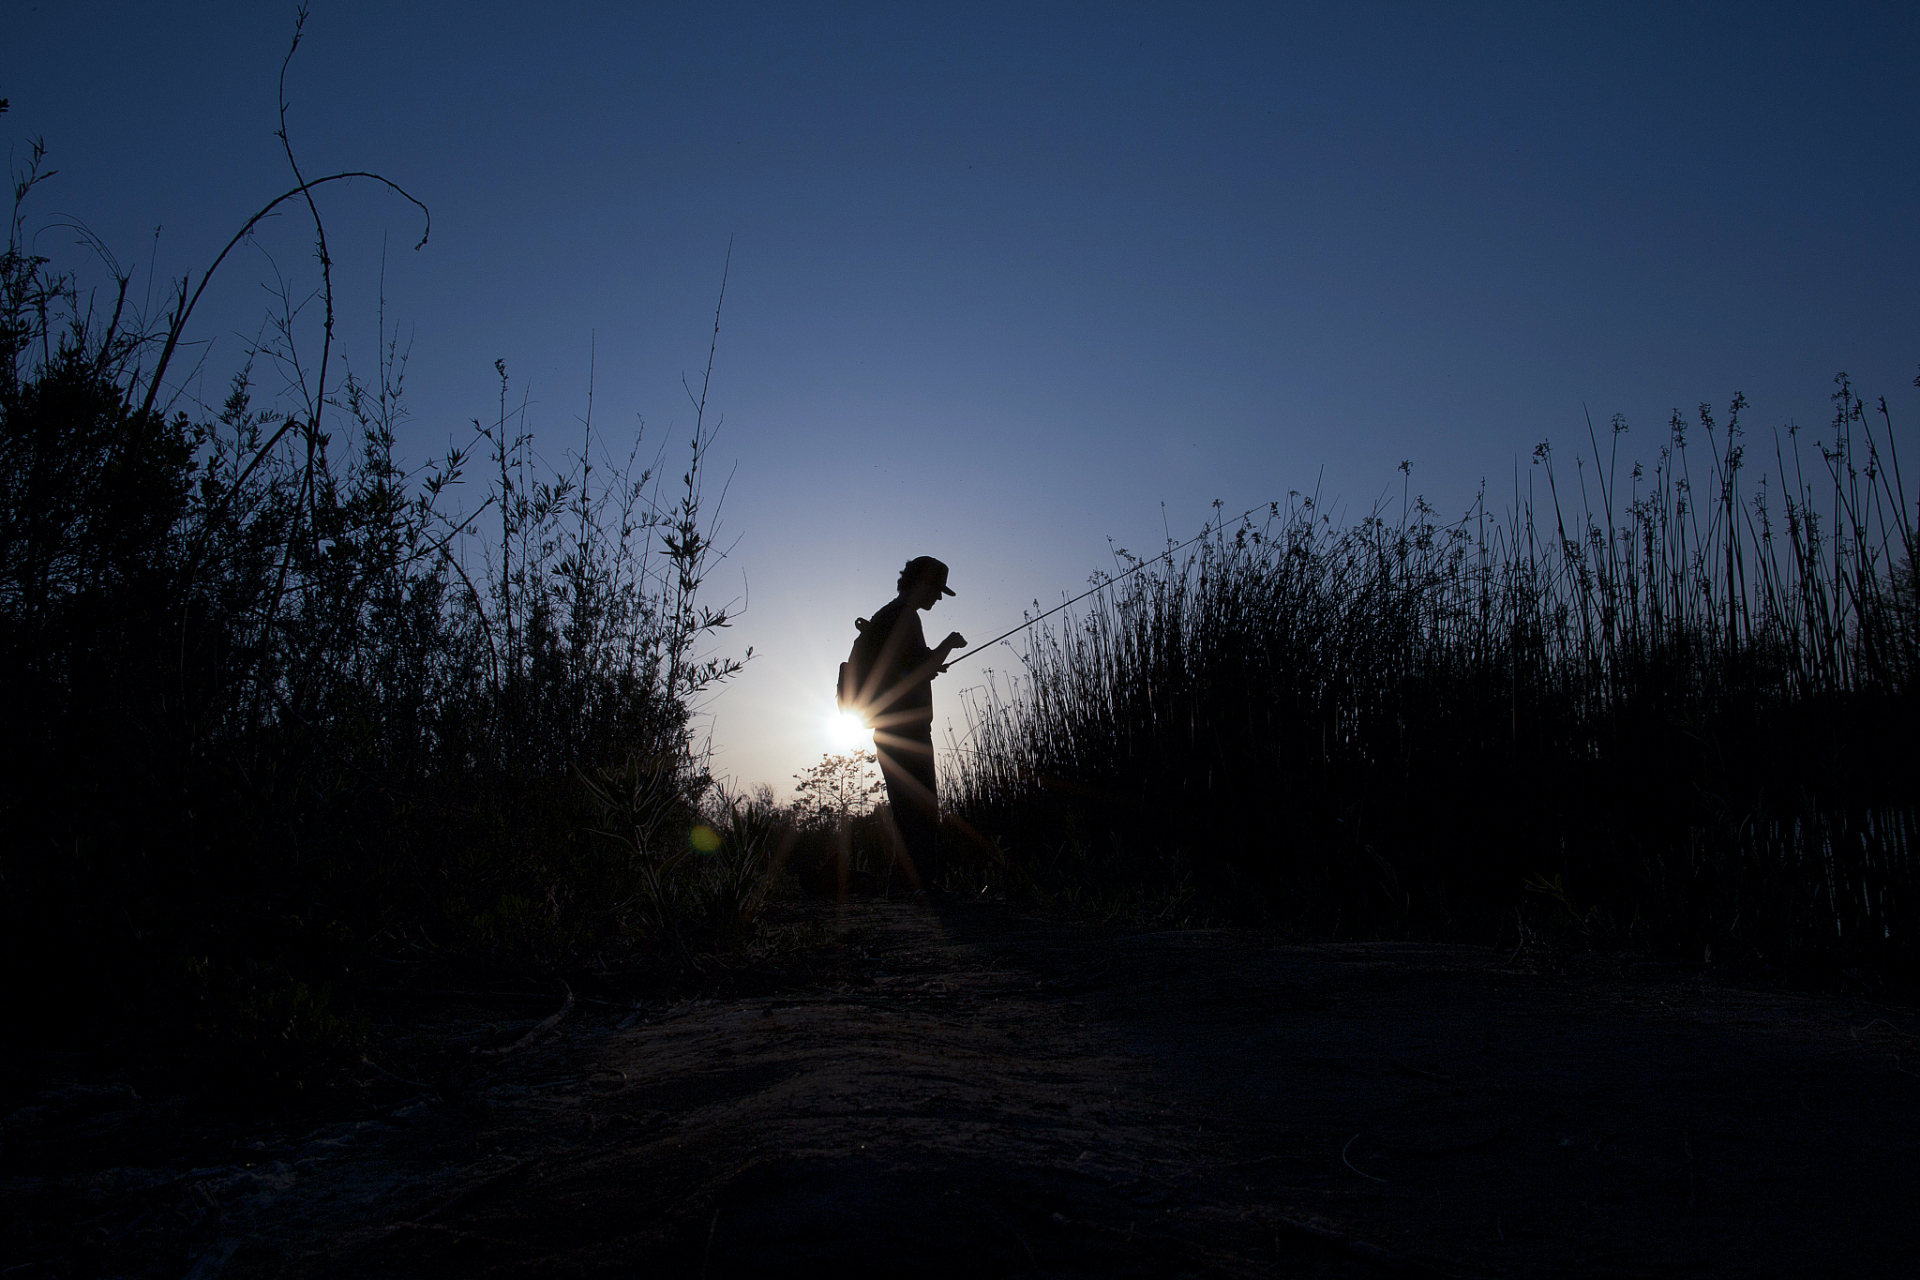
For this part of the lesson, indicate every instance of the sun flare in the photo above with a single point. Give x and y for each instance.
(846, 731)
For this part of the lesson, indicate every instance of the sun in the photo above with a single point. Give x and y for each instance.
(846, 731)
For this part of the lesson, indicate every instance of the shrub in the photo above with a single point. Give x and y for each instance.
(264, 686)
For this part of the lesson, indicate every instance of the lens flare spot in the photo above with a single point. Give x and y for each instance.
(705, 839)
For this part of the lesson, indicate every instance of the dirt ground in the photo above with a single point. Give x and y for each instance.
(969, 1093)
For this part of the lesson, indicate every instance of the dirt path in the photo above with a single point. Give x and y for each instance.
(987, 1096)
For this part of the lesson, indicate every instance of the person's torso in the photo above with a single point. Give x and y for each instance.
(900, 654)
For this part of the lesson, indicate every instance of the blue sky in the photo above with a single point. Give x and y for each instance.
(1006, 280)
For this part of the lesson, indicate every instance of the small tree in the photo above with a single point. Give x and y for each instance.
(840, 787)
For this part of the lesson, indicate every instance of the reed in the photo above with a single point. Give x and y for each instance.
(1637, 703)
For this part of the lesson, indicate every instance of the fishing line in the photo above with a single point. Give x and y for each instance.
(1210, 530)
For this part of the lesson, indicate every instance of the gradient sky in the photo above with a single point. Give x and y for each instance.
(1006, 280)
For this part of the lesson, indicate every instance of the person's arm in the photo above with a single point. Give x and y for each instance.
(953, 641)
(930, 662)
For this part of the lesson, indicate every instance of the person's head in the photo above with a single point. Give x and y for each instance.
(923, 581)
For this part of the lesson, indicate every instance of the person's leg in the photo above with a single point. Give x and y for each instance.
(924, 841)
(906, 761)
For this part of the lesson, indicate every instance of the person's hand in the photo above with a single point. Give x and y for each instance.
(954, 640)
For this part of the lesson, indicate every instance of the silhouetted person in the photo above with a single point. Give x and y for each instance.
(900, 708)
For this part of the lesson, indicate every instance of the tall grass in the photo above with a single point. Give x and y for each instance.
(1642, 702)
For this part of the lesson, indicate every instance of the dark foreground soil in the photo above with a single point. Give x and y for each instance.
(974, 1094)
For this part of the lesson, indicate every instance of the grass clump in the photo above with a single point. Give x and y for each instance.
(1642, 707)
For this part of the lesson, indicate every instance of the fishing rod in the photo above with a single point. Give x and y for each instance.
(1164, 555)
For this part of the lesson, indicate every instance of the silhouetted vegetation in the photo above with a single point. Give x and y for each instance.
(1633, 709)
(279, 720)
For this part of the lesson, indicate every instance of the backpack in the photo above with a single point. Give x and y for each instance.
(855, 670)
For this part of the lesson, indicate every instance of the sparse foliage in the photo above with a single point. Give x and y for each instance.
(840, 787)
